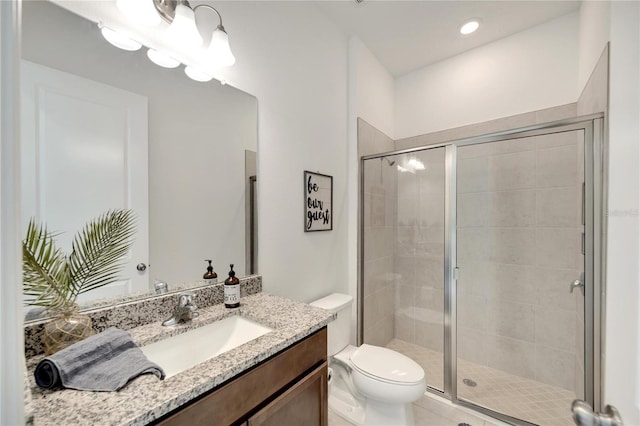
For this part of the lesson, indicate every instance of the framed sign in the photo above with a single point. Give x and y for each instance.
(318, 202)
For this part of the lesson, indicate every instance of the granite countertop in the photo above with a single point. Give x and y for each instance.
(146, 398)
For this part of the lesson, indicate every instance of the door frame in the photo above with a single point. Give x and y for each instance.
(595, 173)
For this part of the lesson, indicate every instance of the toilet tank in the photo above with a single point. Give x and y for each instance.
(339, 329)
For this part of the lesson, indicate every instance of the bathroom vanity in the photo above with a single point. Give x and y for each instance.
(279, 375)
(290, 388)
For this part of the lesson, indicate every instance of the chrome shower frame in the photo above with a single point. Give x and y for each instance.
(595, 204)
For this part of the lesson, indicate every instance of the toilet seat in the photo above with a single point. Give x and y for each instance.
(387, 366)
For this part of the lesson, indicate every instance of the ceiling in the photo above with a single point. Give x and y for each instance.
(408, 35)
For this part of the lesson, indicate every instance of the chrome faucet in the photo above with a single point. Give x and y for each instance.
(186, 310)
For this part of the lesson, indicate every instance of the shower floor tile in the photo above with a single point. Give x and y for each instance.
(506, 393)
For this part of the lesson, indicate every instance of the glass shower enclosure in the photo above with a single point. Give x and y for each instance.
(480, 261)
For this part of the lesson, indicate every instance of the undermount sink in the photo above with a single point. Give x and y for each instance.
(183, 351)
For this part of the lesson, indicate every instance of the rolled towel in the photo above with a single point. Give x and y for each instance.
(104, 362)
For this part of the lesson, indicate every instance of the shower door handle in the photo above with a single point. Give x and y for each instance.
(577, 283)
(583, 415)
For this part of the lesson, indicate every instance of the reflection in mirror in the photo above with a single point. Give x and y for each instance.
(105, 128)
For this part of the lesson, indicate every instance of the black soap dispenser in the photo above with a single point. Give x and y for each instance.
(232, 290)
(210, 276)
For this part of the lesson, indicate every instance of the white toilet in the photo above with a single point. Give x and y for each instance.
(369, 385)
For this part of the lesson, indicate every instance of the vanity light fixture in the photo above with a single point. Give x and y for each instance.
(197, 74)
(218, 53)
(469, 27)
(183, 30)
(183, 33)
(118, 39)
(162, 59)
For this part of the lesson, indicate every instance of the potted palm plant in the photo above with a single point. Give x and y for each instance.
(54, 280)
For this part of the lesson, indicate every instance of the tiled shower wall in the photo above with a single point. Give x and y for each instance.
(404, 253)
(419, 260)
(519, 232)
(379, 210)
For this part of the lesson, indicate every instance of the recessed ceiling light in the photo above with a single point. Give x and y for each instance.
(469, 27)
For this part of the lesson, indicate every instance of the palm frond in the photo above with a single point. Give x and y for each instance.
(98, 251)
(45, 270)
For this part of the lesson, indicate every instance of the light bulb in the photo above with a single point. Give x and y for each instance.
(197, 74)
(183, 30)
(469, 27)
(415, 164)
(162, 59)
(119, 40)
(142, 12)
(218, 53)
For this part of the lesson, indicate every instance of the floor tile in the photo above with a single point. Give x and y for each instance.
(499, 391)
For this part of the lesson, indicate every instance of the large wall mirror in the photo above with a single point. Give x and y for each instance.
(104, 128)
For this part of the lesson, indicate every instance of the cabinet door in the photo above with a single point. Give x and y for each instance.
(305, 403)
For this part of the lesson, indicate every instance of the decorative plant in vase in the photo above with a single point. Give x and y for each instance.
(54, 280)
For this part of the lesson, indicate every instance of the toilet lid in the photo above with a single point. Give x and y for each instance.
(386, 364)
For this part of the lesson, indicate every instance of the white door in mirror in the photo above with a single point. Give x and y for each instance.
(84, 151)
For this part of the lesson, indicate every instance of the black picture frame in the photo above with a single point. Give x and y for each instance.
(318, 202)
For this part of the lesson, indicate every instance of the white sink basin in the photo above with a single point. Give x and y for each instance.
(178, 353)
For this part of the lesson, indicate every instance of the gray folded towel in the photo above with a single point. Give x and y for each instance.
(104, 362)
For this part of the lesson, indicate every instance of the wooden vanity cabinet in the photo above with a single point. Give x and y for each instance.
(289, 388)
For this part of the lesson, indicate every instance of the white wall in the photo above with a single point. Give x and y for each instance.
(374, 88)
(295, 62)
(622, 328)
(593, 36)
(531, 70)
(11, 334)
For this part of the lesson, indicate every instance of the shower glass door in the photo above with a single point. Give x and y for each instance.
(403, 256)
(520, 244)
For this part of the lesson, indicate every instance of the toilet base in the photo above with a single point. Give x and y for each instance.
(341, 400)
(346, 407)
(364, 411)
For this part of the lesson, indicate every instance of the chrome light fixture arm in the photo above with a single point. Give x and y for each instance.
(167, 10)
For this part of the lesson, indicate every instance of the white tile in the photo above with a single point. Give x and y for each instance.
(473, 174)
(473, 209)
(512, 171)
(555, 367)
(557, 207)
(512, 208)
(557, 167)
(513, 245)
(552, 288)
(474, 244)
(512, 356)
(514, 283)
(510, 319)
(557, 113)
(430, 272)
(472, 345)
(472, 312)
(557, 248)
(555, 328)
